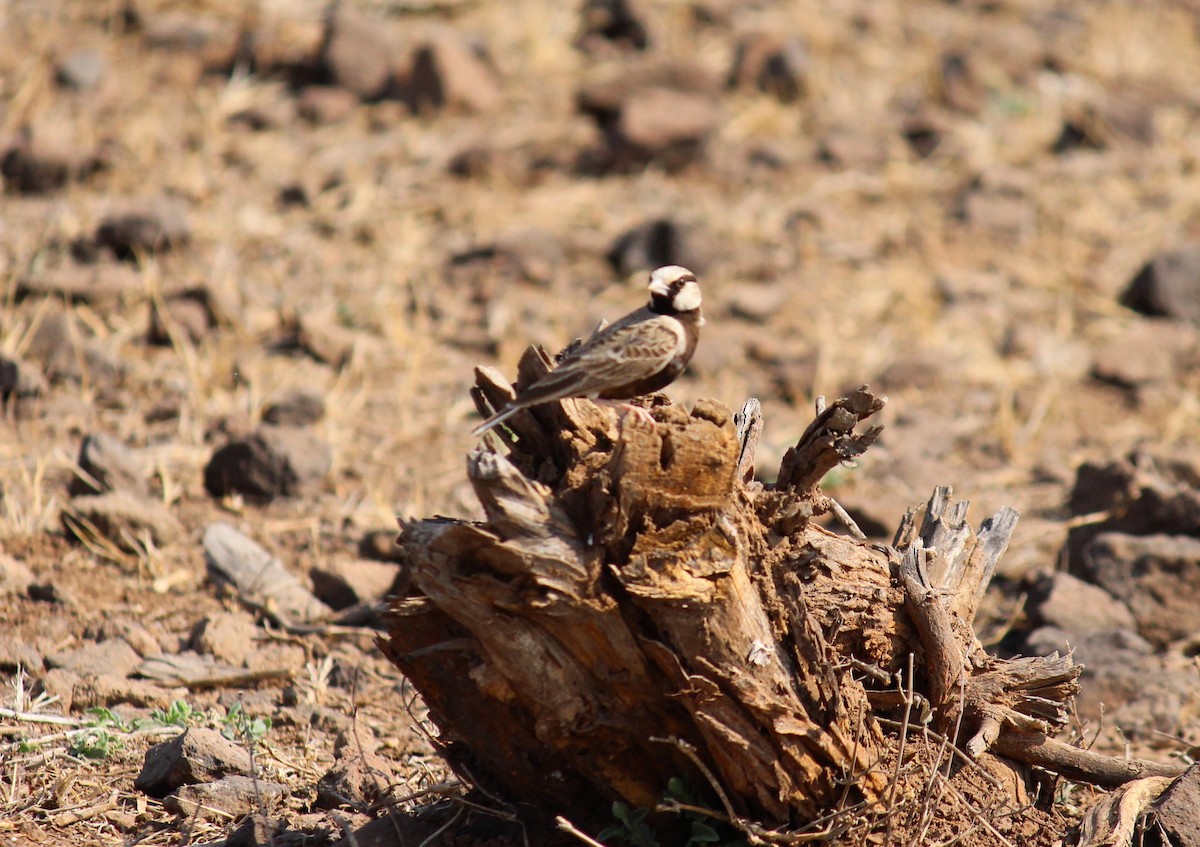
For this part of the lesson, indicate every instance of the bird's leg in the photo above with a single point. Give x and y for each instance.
(640, 413)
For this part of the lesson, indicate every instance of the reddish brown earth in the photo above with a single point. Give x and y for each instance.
(948, 201)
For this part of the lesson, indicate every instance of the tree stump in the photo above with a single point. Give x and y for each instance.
(636, 609)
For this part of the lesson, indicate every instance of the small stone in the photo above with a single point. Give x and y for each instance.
(853, 149)
(961, 86)
(324, 104)
(619, 24)
(81, 69)
(656, 243)
(300, 407)
(178, 318)
(122, 518)
(272, 462)
(153, 228)
(1167, 286)
(229, 797)
(357, 52)
(113, 657)
(256, 830)
(1074, 606)
(260, 579)
(341, 584)
(323, 338)
(109, 690)
(359, 776)
(772, 63)
(526, 255)
(195, 755)
(226, 636)
(1005, 213)
(15, 577)
(15, 653)
(448, 74)
(107, 465)
(1144, 353)
(756, 302)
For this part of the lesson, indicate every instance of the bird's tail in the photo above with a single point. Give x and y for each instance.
(500, 416)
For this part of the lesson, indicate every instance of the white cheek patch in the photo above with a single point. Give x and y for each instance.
(688, 298)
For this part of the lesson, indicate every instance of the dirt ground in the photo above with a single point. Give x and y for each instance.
(945, 201)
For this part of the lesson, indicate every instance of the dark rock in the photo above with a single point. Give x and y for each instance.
(123, 518)
(1158, 577)
(448, 74)
(113, 657)
(257, 830)
(229, 797)
(656, 243)
(1075, 607)
(323, 104)
(357, 52)
(227, 636)
(380, 545)
(106, 465)
(195, 755)
(619, 24)
(157, 227)
(341, 584)
(272, 462)
(260, 579)
(1167, 286)
(1177, 810)
(81, 69)
(296, 408)
(45, 158)
(772, 63)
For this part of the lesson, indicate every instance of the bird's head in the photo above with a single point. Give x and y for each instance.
(674, 289)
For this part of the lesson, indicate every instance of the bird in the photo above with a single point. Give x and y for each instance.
(641, 353)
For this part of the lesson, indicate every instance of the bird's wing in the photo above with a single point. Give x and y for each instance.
(622, 353)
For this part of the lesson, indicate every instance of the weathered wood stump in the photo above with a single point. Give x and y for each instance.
(636, 608)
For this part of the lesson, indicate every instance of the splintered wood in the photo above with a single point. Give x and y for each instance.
(636, 608)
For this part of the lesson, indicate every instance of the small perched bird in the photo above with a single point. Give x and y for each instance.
(641, 353)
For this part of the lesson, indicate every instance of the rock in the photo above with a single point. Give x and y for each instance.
(1177, 810)
(1158, 577)
(962, 88)
(259, 579)
(110, 690)
(323, 338)
(656, 243)
(652, 111)
(756, 302)
(1167, 286)
(106, 465)
(229, 797)
(342, 584)
(271, 462)
(1004, 212)
(195, 755)
(1076, 607)
(81, 69)
(113, 657)
(1144, 353)
(178, 318)
(226, 636)
(619, 24)
(257, 830)
(67, 353)
(357, 52)
(46, 157)
(772, 63)
(102, 283)
(15, 577)
(853, 149)
(123, 518)
(300, 407)
(359, 776)
(448, 74)
(380, 545)
(20, 379)
(155, 227)
(14, 653)
(324, 104)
